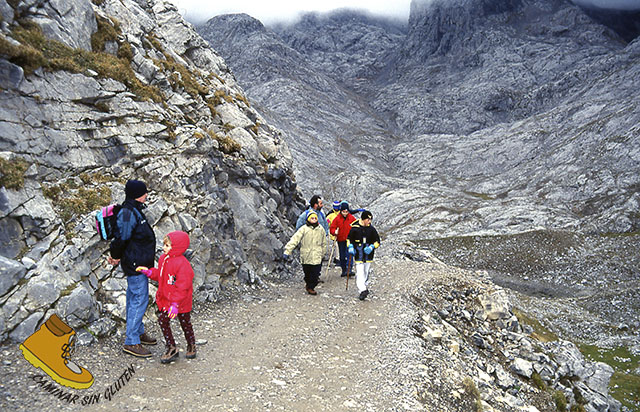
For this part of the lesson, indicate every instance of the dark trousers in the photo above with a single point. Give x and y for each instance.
(345, 258)
(311, 275)
(185, 324)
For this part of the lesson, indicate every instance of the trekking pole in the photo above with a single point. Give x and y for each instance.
(330, 258)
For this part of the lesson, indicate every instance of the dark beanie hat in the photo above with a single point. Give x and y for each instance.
(344, 206)
(366, 215)
(134, 189)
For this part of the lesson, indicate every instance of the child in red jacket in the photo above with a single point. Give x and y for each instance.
(175, 292)
(340, 227)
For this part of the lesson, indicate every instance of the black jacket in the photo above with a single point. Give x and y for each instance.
(134, 241)
(361, 236)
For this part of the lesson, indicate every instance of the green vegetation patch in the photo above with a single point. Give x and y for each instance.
(471, 390)
(539, 332)
(107, 32)
(227, 144)
(560, 400)
(625, 382)
(180, 76)
(538, 382)
(72, 201)
(37, 51)
(12, 172)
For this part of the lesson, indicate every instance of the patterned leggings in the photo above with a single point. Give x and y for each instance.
(185, 324)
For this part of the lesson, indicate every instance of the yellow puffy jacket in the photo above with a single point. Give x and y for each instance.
(313, 243)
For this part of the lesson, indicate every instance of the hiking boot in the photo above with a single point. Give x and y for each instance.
(170, 355)
(137, 350)
(50, 348)
(191, 351)
(311, 291)
(363, 295)
(147, 340)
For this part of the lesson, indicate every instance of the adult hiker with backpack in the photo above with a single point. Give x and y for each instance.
(313, 242)
(362, 242)
(340, 227)
(315, 204)
(133, 245)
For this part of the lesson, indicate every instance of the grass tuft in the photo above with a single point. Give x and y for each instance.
(12, 173)
(560, 400)
(37, 51)
(539, 332)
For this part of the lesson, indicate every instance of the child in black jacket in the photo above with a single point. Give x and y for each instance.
(362, 242)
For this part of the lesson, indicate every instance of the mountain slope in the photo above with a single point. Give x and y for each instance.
(474, 100)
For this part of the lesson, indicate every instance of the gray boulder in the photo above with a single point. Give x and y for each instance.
(11, 272)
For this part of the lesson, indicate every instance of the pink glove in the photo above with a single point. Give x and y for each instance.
(144, 271)
(173, 311)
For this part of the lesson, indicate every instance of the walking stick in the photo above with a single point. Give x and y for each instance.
(330, 258)
(349, 271)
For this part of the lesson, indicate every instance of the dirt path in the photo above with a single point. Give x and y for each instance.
(278, 349)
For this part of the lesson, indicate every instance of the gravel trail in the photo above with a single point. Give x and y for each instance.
(272, 349)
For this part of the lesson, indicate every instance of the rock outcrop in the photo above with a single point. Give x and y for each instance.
(471, 333)
(95, 93)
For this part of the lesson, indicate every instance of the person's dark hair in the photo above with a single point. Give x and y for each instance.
(314, 200)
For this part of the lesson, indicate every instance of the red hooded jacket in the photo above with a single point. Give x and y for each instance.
(174, 275)
(343, 224)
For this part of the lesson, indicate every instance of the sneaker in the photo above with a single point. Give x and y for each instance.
(363, 295)
(147, 340)
(170, 355)
(191, 352)
(136, 350)
(311, 291)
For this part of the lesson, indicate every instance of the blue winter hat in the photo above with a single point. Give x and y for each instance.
(344, 206)
(134, 189)
(336, 205)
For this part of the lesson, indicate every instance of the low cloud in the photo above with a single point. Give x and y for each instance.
(610, 4)
(199, 11)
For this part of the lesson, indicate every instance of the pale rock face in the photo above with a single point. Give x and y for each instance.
(82, 135)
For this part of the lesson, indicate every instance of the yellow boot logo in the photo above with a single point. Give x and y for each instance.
(50, 347)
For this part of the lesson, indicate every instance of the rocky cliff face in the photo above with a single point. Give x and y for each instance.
(93, 94)
(330, 129)
(485, 117)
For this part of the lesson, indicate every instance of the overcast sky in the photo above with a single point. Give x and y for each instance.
(198, 11)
